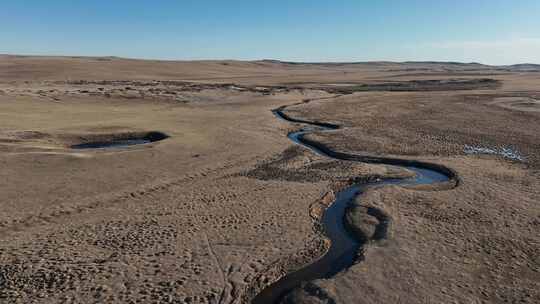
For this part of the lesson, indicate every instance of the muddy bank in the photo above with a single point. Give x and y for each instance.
(120, 140)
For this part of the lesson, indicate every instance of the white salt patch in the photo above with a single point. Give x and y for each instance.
(233, 87)
(508, 153)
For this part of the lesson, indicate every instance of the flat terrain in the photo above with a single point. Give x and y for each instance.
(227, 204)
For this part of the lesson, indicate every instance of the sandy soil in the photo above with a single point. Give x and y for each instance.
(226, 204)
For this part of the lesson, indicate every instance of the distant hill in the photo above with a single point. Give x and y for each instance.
(62, 68)
(524, 67)
(412, 65)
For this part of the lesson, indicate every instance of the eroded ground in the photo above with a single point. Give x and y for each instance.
(226, 204)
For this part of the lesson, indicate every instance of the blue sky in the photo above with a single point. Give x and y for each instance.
(487, 31)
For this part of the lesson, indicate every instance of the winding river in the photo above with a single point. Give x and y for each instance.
(345, 245)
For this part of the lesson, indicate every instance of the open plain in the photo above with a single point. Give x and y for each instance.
(218, 203)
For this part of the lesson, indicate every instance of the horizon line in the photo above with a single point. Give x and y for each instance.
(265, 59)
